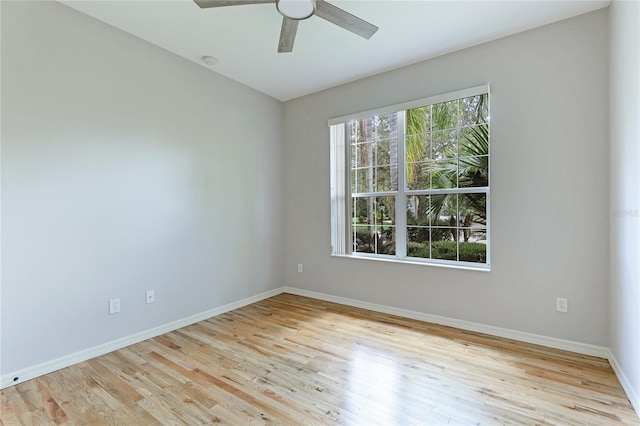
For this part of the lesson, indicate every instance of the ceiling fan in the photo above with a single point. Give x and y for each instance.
(294, 11)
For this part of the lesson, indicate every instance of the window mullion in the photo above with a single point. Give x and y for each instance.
(401, 198)
(346, 185)
(445, 191)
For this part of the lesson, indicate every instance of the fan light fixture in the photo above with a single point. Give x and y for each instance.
(296, 9)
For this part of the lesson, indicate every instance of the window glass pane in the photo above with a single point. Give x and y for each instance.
(354, 156)
(359, 211)
(364, 155)
(443, 174)
(382, 179)
(418, 176)
(385, 241)
(418, 121)
(444, 115)
(385, 126)
(444, 144)
(447, 250)
(472, 210)
(474, 140)
(373, 224)
(475, 235)
(475, 249)
(435, 226)
(418, 231)
(353, 131)
(474, 110)
(353, 181)
(370, 239)
(473, 172)
(418, 242)
(443, 209)
(374, 150)
(418, 147)
(435, 209)
(418, 210)
(375, 128)
(385, 207)
(362, 180)
(374, 179)
(383, 152)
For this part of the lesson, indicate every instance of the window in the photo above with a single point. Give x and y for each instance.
(411, 182)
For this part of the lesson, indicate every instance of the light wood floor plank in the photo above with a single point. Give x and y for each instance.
(294, 360)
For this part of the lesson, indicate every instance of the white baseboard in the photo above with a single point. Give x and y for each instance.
(32, 372)
(552, 342)
(633, 396)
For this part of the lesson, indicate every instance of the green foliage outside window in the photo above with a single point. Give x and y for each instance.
(446, 157)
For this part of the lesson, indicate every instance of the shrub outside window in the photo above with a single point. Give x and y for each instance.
(411, 182)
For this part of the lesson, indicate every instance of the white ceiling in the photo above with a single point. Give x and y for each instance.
(244, 38)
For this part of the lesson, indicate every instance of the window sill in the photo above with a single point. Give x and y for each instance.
(390, 259)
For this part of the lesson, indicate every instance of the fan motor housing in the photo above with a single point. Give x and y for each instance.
(296, 9)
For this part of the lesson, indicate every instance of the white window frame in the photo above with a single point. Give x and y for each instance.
(341, 196)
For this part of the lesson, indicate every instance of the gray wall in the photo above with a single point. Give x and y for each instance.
(549, 177)
(125, 168)
(624, 308)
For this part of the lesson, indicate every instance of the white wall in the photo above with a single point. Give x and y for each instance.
(549, 124)
(624, 307)
(125, 168)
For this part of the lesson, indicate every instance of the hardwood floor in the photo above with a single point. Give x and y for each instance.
(294, 360)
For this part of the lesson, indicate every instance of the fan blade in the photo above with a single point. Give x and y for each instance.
(344, 19)
(219, 3)
(287, 35)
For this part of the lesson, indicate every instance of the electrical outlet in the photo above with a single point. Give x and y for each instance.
(151, 297)
(114, 306)
(299, 267)
(562, 304)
